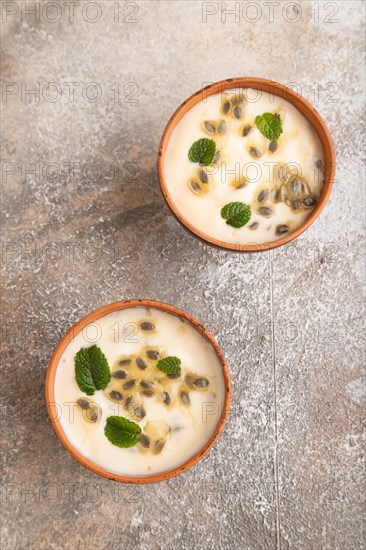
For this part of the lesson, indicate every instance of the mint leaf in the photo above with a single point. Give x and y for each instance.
(169, 365)
(202, 151)
(236, 214)
(91, 370)
(269, 125)
(122, 432)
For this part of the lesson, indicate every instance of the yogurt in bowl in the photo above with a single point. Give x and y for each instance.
(138, 391)
(244, 168)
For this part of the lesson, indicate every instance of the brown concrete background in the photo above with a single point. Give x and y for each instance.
(90, 227)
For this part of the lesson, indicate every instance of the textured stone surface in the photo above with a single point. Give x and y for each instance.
(92, 228)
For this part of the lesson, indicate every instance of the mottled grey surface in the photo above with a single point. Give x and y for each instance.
(90, 227)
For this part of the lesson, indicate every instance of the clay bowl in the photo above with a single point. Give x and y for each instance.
(92, 317)
(275, 88)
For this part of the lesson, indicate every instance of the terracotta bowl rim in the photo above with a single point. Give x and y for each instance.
(277, 89)
(92, 317)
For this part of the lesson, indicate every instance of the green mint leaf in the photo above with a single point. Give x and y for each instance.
(236, 214)
(269, 125)
(91, 370)
(169, 365)
(122, 432)
(202, 151)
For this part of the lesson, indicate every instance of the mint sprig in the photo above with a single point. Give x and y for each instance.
(122, 432)
(202, 151)
(269, 125)
(169, 365)
(91, 370)
(236, 214)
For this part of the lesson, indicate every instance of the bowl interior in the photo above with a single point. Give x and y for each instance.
(271, 87)
(94, 316)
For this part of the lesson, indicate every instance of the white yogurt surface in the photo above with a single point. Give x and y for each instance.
(191, 427)
(298, 146)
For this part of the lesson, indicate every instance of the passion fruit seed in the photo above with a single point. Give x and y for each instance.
(128, 385)
(238, 112)
(242, 183)
(216, 157)
(309, 201)
(281, 173)
(120, 374)
(174, 376)
(139, 412)
(144, 441)
(93, 413)
(129, 401)
(83, 403)
(296, 205)
(273, 146)
(226, 107)
(153, 354)
(254, 226)
(255, 152)
(147, 326)
(184, 397)
(265, 211)
(148, 393)
(246, 130)
(203, 176)
(278, 116)
(146, 384)
(201, 383)
(263, 195)
(282, 229)
(166, 397)
(209, 127)
(295, 186)
(195, 187)
(222, 127)
(124, 362)
(141, 363)
(115, 395)
(237, 99)
(159, 445)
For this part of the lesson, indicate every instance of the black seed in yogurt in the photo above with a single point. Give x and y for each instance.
(309, 201)
(153, 354)
(273, 146)
(263, 195)
(201, 383)
(159, 445)
(120, 374)
(115, 395)
(141, 363)
(246, 130)
(128, 385)
(203, 176)
(83, 403)
(282, 229)
(147, 326)
(184, 397)
(144, 441)
(209, 127)
(238, 112)
(255, 152)
(222, 127)
(166, 397)
(265, 211)
(124, 362)
(226, 107)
